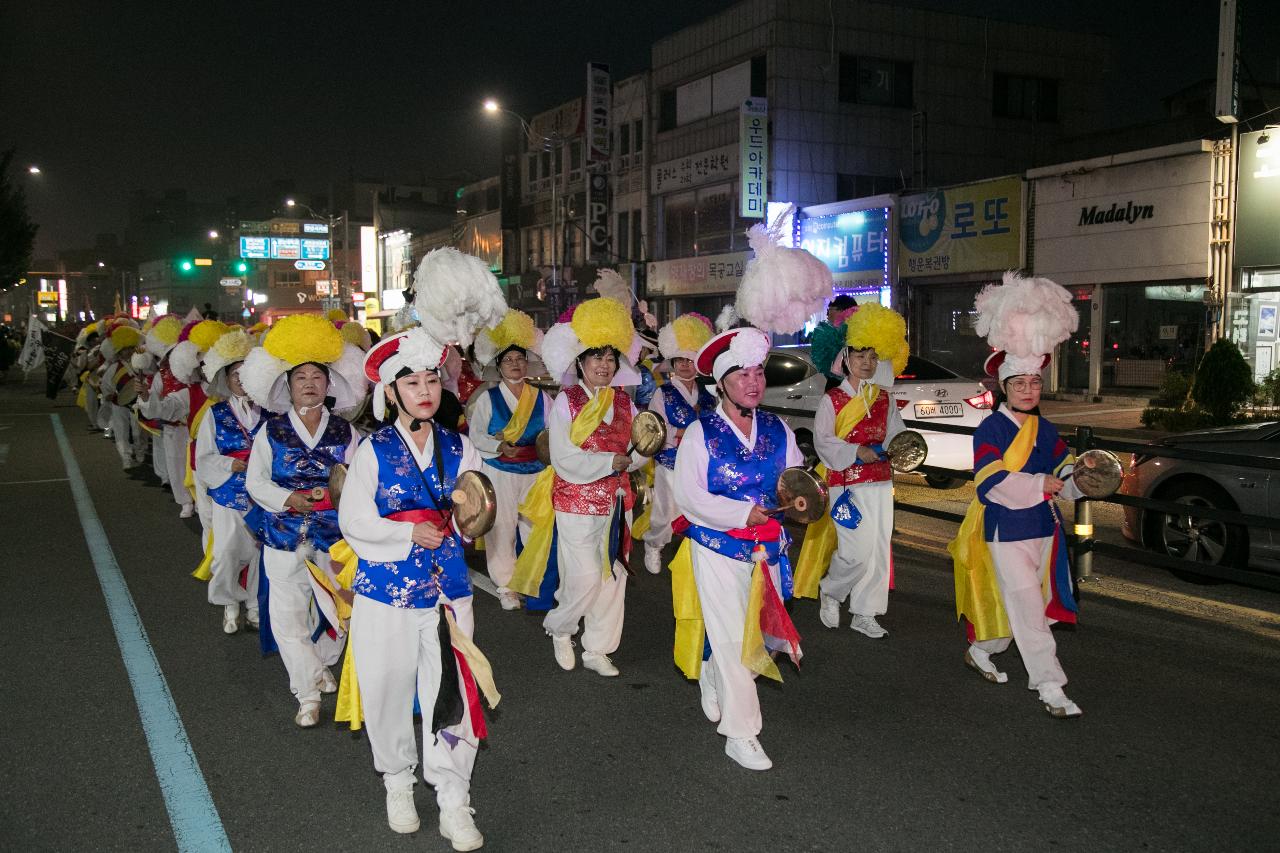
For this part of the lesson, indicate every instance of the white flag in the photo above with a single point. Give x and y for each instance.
(32, 355)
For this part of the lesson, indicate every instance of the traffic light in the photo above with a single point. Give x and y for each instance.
(240, 267)
(186, 265)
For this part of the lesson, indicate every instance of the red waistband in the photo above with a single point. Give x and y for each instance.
(242, 455)
(770, 531)
(523, 454)
(417, 516)
(320, 505)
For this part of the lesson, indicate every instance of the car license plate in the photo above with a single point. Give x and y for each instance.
(939, 410)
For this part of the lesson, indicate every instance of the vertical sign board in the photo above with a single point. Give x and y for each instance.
(1226, 103)
(599, 102)
(753, 141)
(598, 249)
(368, 259)
(1257, 237)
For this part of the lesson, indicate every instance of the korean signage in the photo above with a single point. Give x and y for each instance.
(315, 228)
(284, 248)
(1258, 200)
(598, 249)
(854, 244)
(753, 142)
(701, 275)
(562, 122)
(599, 100)
(968, 228)
(705, 167)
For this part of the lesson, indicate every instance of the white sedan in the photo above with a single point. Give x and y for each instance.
(924, 391)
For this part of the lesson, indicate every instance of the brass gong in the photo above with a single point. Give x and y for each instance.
(337, 479)
(801, 495)
(648, 434)
(1097, 474)
(474, 504)
(642, 490)
(543, 445)
(907, 451)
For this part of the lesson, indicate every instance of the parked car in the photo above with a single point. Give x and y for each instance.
(923, 391)
(1251, 490)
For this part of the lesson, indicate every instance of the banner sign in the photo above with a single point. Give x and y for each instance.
(599, 102)
(696, 276)
(753, 141)
(854, 244)
(968, 228)
(1258, 200)
(705, 167)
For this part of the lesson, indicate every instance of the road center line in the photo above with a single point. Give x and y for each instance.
(192, 814)
(32, 482)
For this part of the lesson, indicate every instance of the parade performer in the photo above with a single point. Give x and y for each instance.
(1011, 570)
(506, 420)
(185, 359)
(118, 391)
(853, 424)
(223, 441)
(168, 400)
(680, 401)
(828, 339)
(85, 360)
(583, 500)
(302, 371)
(412, 618)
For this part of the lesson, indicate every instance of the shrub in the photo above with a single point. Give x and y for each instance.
(1269, 389)
(1173, 390)
(1175, 420)
(1223, 381)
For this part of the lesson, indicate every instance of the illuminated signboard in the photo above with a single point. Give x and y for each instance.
(255, 247)
(284, 248)
(853, 244)
(315, 228)
(315, 250)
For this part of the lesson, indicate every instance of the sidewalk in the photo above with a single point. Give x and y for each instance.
(1115, 419)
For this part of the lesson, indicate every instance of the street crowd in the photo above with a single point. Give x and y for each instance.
(340, 477)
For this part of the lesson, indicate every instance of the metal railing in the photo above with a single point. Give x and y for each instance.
(1082, 540)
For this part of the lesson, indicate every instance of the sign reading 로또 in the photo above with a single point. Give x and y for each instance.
(753, 142)
(854, 244)
(967, 228)
(701, 275)
(599, 101)
(705, 167)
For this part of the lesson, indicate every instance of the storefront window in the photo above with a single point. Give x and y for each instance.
(942, 327)
(703, 222)
(1151, 329)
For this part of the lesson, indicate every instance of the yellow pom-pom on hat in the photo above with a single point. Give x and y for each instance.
(882, 329)
(125, 338)
(206, 333)
(336, 315)
(603, 322)
(300, 338)
(516, 330)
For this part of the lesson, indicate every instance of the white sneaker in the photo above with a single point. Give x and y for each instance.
(230, 618)
(653, 560)
(509, 599)
(828, 610)
(1057, 703)
(710, 699)
(869, 626)
(251, 619)
(188, 510)
(975, 658)
(563, 647)
(748, 752)
(308, 715)
(458, 825)
(327, 682)
(599, 664)
(402, 814)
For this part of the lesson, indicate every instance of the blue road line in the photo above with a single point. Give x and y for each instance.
(192, 814)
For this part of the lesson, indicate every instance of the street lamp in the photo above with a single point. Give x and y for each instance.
(545, 143)
(34, 170)
(213, 235)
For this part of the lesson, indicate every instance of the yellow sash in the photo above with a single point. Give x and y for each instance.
(820, 537)
(531, 565)
(204, 571)
(977, 593)
(688, 612)
(640, 526)
(189, 479)
(520, 418)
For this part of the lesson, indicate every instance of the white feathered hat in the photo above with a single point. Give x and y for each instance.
(228, 350)
(413, 350)
(303, 339)
(782, 288)
(1023, 319)
(455, 295)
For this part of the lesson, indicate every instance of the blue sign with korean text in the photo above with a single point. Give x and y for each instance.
(854, 245)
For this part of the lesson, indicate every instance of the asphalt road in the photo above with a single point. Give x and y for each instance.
(888, 745)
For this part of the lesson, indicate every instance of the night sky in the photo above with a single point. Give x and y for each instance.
(109, 97)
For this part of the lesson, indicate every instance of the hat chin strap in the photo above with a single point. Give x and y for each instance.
(415, 424)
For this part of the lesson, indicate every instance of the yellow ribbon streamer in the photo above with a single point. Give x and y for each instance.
(204, 571)
(520, 418)
(977, 593)
(640, 526)
(755, 656)
(688, 612)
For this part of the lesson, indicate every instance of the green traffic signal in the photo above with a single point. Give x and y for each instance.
(186, 265)
(242, 267)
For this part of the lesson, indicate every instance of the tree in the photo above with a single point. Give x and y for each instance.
(1223, 381)
(17, 231)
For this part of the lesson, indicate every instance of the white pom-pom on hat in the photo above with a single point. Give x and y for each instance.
(455, 294)
(782, 287)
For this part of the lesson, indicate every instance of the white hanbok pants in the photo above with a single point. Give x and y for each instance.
(664, 508)
(159, 465)
(1020, 568)
(860, 566)
(585, 595)
(289, 607)
(724, 587)
(500, 542)
(91, 404)
(233, 549)
(175, 461)
(397, 656)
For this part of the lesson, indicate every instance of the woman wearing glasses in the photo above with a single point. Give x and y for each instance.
(1012, 575)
